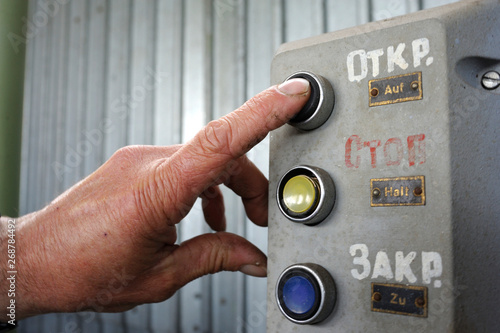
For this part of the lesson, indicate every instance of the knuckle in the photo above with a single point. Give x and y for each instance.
(127, 152)
(212, 255)
(126, 157)
(164, 189)
(217, 137)
(218, 255)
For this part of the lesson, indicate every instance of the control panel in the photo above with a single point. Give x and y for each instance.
(384, 188)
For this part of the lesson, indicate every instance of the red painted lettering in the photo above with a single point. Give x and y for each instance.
(393, 151)
(374, 144)
(416, 154)
(348, 151)
(399, 151)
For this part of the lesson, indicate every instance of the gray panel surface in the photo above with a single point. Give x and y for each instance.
(449, 137)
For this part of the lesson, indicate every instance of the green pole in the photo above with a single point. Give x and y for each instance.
(12, 55)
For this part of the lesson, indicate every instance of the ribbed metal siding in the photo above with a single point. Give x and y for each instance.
(102, 74)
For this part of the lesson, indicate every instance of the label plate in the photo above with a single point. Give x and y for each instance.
(398, 191)
(399, 299)
(395, 89)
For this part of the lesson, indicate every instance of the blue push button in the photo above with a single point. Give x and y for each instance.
(306, 293)
(299, 295)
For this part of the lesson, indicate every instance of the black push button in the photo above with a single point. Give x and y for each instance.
(320, 104)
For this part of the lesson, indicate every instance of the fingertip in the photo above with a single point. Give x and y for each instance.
(257, 269)
(221, 226)
(257, 210)
(215, 219)
(212, 203)
(292, 87)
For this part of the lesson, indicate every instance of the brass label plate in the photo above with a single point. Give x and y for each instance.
(399, 299)
(397, 191)
(395, 89)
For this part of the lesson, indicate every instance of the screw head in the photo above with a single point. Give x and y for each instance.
(418, 191)
(377, 297)
(490, 80)
(374, 92)
(419, 302)
(414, 85)
(376, 192)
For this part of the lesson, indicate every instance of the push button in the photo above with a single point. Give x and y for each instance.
(306, 194)
(299, 295)
(301, 194)
(306, 293)
(320, 105)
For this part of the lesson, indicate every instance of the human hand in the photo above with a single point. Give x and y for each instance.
(113, 234)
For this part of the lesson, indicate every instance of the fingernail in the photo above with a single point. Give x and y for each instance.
(256, 270)
(294, 87)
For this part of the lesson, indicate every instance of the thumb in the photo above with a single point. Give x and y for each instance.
(212, 253)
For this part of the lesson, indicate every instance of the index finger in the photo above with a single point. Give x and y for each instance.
(201, 161)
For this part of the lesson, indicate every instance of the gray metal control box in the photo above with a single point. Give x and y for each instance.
(385, 197)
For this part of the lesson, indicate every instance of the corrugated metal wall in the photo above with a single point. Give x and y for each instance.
(102, 74)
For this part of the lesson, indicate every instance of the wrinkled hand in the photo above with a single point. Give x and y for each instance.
(108, 243)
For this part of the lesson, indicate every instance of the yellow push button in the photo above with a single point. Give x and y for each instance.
(306, 194)
(300, 194)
